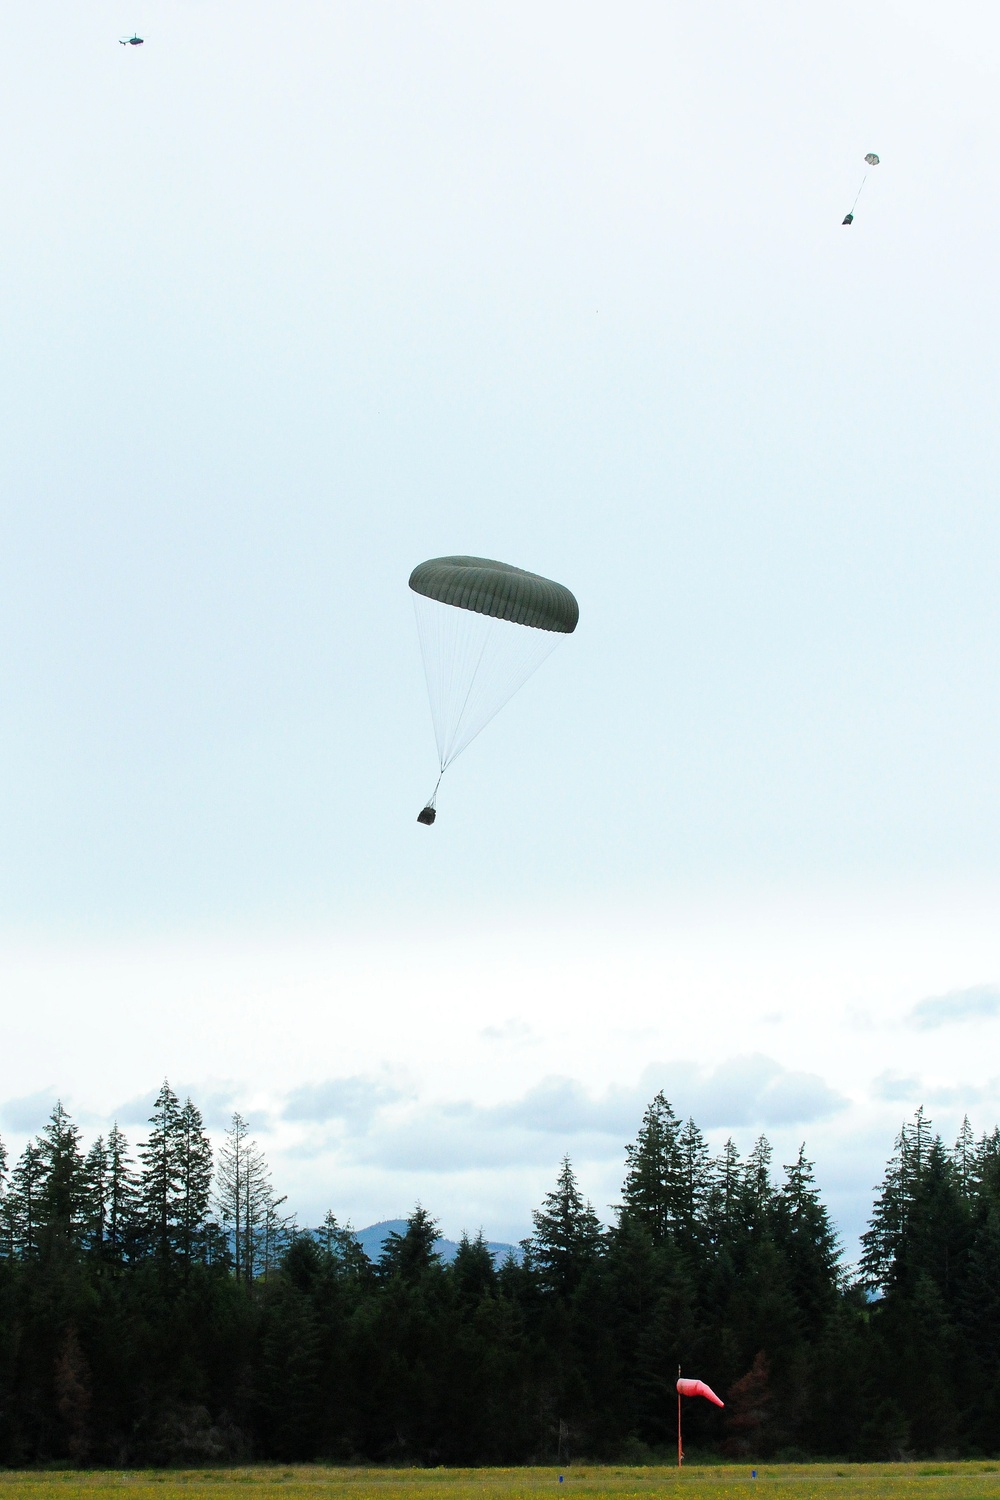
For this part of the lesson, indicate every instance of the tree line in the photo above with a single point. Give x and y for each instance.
(162, 1307)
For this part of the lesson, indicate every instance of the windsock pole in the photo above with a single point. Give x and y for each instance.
(680, 1447)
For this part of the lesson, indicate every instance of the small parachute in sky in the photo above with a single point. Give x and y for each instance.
(484, 628)
(872, 161)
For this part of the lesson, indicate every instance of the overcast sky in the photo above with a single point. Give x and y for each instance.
(293, 297)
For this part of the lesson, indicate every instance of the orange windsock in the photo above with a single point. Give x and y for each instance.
(698, 1388)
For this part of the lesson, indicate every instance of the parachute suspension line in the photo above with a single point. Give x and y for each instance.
(855, 203)
(473, 664)
(465, 702)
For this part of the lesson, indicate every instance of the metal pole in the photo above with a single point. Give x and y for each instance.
(680, 1448)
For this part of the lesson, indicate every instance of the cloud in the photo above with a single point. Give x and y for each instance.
(511, 1030)
(29, 1113)
(559, 1114)
(355, 1101)
(896, 1088)
(956, 1005)
(753, 1090)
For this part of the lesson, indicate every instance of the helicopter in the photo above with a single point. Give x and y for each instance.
(131, 41)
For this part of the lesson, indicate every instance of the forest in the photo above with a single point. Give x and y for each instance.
(159, 1306)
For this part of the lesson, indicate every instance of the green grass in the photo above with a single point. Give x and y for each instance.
(944, 1481)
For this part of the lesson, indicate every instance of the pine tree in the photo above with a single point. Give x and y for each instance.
(654, 1191)
(473, 1273)
(808, 1243)
(63, 1185)
(245, 1199)
(343, 1247)
(95, 1169)
(410, 1254)
(723, 1198)
(695, 1184)
(882, 1240)
(121, 1198)
(568, 1237)
(756, 1189)
(964, 1157)
(24, 1201)
(194, 1182)
(160, 1178)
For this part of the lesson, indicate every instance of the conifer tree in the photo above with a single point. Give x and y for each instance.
(723, 1199)
(410, 1254)
(63, 1183)
(964, 1157)
(342, 1246)
(695, 1182)
(883, 1239)
(568, 1237)
(654, 1191)
(244, 1198)
(160, 1178)
(473, 1272)
(194, 1182)
(808, 1242)
(121, 1198)
(95, 1166)
(24, 1201)
(757, 1191)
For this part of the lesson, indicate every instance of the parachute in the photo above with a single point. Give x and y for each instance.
(872, 161)
(484, 628)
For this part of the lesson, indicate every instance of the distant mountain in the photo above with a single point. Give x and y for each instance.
(373, 1238)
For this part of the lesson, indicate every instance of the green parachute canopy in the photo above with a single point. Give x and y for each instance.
(495, 588)
(484, 628)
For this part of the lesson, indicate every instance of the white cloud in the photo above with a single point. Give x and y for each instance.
(29, 1113)
(355, 1100)
(559, 1114)
(982, 1000)
(895, 1087)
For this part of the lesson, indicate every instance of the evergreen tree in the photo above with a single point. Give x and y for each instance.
(95, 1169)
(964, 1157)
(194, 1182)
(568, 1237)
(63, 1180)
(808, 1243)
(121, 1198)
(724, 1195)
(473, 1273)
(160, 1191)
(410, 1254)
(24, 1201)
(245, 1200)
(654, 1194)
(343, 1247)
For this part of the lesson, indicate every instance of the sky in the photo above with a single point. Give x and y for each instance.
(293, 298)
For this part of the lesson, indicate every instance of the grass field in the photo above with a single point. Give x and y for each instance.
(918, 1481)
